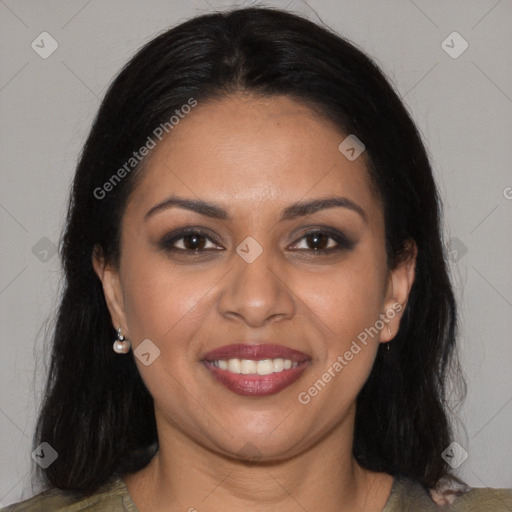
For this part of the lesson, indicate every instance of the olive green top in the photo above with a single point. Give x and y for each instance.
(406, 496)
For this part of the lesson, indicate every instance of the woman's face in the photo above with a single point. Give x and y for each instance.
(248, 273)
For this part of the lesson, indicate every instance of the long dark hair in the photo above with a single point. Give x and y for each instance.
(97, 413)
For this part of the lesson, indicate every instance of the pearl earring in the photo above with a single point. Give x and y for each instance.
(121, 346)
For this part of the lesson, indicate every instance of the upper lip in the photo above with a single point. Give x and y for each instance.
(255, 351)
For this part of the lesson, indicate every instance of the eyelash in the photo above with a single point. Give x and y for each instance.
(343, 243)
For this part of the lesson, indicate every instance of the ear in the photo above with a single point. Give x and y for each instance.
(109, 277)
(399, 286)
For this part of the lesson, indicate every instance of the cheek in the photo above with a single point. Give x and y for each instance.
(161, 299)
(349, 299)
(167, 306)
(346, 307)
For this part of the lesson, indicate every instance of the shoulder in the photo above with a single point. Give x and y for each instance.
(451, 495)
(408, 494)
(458, 496)
(485, 498)
(112, 497)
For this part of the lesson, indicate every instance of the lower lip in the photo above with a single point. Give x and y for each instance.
(257, 385)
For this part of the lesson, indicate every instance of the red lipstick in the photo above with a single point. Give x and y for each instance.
(253, 384)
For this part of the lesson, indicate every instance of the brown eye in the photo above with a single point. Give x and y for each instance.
(191, 240)
(323, 241)
(318, 240)
(194, 242)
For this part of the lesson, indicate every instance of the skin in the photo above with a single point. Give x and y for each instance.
(254, 157)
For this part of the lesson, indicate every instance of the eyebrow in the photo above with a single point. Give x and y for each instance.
(300, 209)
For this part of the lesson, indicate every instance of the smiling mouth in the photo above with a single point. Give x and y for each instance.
(265, 370)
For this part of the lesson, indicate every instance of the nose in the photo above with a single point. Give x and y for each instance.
(257, 292)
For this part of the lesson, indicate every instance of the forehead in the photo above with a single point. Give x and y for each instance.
(249, 152)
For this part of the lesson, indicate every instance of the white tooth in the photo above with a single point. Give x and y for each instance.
(234, 365)
(251, 367)
(278, 365)
(265, 367)
(247, 366)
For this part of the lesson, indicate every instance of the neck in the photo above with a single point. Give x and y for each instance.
(184, 475)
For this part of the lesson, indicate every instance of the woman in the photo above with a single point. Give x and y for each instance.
(255, 223)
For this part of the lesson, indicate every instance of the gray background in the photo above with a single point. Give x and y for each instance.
(463, 107)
